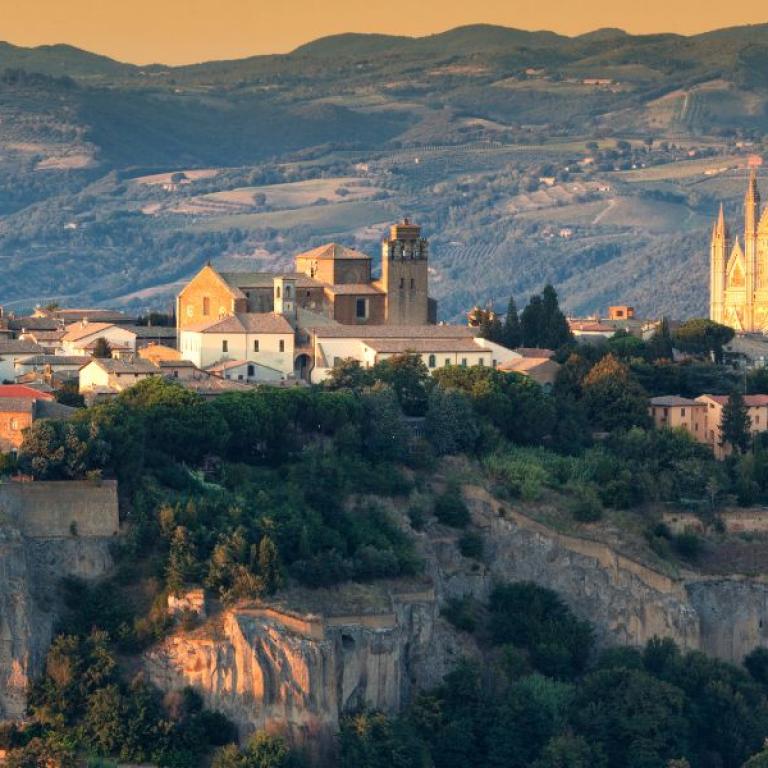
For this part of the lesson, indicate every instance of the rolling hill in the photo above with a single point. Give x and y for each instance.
(458, 129)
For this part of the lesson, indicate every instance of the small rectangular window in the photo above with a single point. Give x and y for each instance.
(361, 309)
(225, 346)
(282, 345)
(402, 282)
(682, 411)
(432, 361)
(463, 362)
(206, 306)
(447, 361)
(481, 361)
(255, 345)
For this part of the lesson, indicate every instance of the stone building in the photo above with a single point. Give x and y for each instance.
(332, 280)
(738, 286)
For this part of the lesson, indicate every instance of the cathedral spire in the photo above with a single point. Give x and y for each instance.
(720, 228)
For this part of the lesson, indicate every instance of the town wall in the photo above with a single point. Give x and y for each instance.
(60, 509)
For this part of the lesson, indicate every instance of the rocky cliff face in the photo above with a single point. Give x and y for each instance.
(276, 670)
(299, 672)
(30, 570)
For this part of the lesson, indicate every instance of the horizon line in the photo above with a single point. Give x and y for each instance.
(64, 43)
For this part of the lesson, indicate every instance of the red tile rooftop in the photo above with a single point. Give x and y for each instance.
(22, 391)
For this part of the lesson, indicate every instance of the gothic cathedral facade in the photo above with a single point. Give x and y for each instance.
(738, 287)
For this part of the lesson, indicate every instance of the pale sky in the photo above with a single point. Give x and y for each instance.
(185, 31)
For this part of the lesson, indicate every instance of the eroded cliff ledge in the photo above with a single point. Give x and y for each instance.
(298, 665)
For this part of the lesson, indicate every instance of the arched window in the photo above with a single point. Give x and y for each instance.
(206, 305)
(277, 291)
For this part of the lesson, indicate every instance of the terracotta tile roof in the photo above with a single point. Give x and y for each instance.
(590, 327)
(332, 251)
(19, 390)
(529, 364)
(39, 336)
(751, 401)
(673, 400)
(111, 316)
(241, 281)
(30, 323)
(150, 331)
(251, 322)
(54, 360)
(77, 331)
(38, 408)
(534, 352)
(110, 365)
(424, 345)
(19, 347)
(395, 332)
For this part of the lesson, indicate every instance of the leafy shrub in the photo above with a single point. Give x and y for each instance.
(537, 620)
(687, 545)
(462, 612)
(450, 509)
(522, 475)
(471, 545)
(585, 504)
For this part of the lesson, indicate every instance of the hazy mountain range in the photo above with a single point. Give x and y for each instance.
(480, 132)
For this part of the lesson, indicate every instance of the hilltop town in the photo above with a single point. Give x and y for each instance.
(298, 512)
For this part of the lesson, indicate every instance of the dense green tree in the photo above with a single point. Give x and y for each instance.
(409, 379)
(60, 450)
(613, 398)
(512, 332)
(555, 329)
(451, 424)
(735, 424)
(373, 740)
(269, 565)
(102, 348)
(625, 346)
(68, 394)
(660, 346)
(385, 433)
(537, 620)
(757, 381)
(532, 322)
(349, 374)
(517, 406)
(569, 751)
(183, 566)
(632, 717)
(701, 336)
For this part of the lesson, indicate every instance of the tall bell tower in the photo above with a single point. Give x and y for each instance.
(404, 275)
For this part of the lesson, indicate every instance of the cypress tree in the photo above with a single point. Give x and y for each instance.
(735, 425)
(512, 331)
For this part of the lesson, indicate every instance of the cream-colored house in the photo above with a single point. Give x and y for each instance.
(757, 410)
(437, 345)
(247, 371)
(107, 376)
(703, 416)
(265, 338)
(675, 412)
(81, 338)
